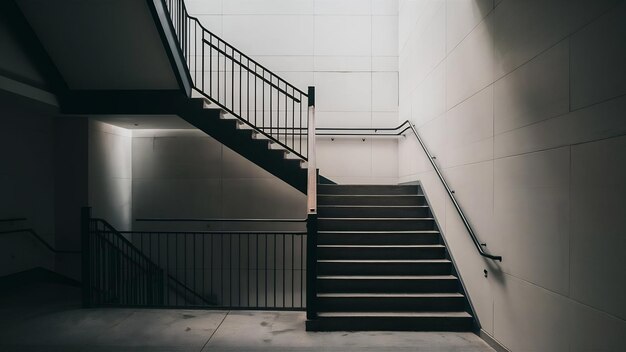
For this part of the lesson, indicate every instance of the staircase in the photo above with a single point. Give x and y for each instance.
(382, 264)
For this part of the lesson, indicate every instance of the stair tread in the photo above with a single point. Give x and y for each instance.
(416, 261)
(387, 277)
(393, 314)
(380, 246)
(388, 295)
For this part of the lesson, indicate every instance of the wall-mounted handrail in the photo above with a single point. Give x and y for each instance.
(216, 220)
(12, 219)
(40, 239)
(400, 130)
(214, 232)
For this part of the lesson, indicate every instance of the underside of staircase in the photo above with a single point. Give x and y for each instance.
(382, 263)
(200, 113)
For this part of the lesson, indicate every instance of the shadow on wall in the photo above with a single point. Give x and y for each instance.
(522, 102)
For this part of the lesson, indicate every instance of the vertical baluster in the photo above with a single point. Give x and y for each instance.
(263, 103)
(286, 117)
(275, 249)
(210, 64)
(195, 53)
(211, 268)
(225, 76)
(218, 73)
(271, 120)
(292, 271)
(255, 96)
(301, 267)
(293, 118)
(230, 270)
(203, 267)
(278, 110)
(306, 144)
(195, 289)
(266, 269)
(257, 269)
(300, 125)
(222, 268)
(239, 269)
(240, 63)
(176, 268)
(284, 266)
(248, 90)
(232, 80)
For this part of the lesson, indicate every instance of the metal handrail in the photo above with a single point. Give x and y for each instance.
(214, 232)
(237, 93)
(40, 239)
(397, 131)
(147, 259)
(12, 219)
(216, 220)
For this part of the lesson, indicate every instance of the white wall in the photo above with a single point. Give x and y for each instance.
(110, 173)
(523, 103)
(346, 48)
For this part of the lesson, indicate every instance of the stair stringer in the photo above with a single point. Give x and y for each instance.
(455, 270)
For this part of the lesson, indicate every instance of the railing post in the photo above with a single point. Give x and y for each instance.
(311, 156)
(311, 288)
(311, 263)
(85, 219)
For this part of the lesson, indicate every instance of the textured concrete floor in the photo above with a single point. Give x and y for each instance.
(66, 327)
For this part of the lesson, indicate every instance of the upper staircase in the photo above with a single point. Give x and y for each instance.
(159, 60)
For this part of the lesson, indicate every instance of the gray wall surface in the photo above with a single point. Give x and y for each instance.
(26, 186)
(523, 104)
(185, 173)
(347, 49)
(110, 173)
(15, 62)
(111, 44)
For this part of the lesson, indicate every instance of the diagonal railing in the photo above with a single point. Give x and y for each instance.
(398, 131)
(230, 79)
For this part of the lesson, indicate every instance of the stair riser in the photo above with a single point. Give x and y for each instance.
(381, 253)
(383, 269)
(381, 239)
(396, 304)
(368, 189)
(374, 212)
(370, 200)
(374, 225)
(390, 324)
(387, 286)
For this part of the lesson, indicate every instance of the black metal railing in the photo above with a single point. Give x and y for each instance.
(34, 235)
(196, 269)
(40, 239)
(229, 269)
(118, 273)
(401, 130)
(232, 269)
(239, 85)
